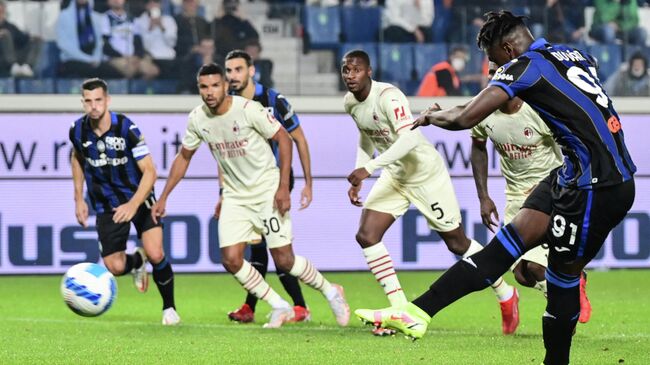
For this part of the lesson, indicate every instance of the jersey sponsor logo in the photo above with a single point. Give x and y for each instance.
(503, 77)
(568, 56)
(107, 161)
(230, 149)
(528, 133)
(515, 152)
(111, 143)
(377, 133)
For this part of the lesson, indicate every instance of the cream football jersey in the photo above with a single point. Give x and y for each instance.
(238, 140)
(380, 117)
(525, 145)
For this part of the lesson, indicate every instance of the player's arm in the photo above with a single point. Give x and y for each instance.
(176, 174)
(479, 159)
(300, 140)
(395, 107)
(217, 208)
(465, 116)
(81, 208)
(125, 212)
(518, 75)
(365, 151)
(282, 197)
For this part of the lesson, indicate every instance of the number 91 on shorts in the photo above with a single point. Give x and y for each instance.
(242, 222)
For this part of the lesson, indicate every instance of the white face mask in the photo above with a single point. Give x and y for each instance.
(458, 64)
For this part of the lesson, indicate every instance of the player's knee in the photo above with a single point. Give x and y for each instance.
(365, 238)
(232, 264)
(284, 262)
(115, 267)
(156, 256)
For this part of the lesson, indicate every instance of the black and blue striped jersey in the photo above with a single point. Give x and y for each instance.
(110, 161)
(560, 83)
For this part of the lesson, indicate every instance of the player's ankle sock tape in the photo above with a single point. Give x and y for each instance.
(163, 276)
(561, 316)
(466, 276)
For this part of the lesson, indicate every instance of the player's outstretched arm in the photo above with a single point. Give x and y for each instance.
(176, 173)
(81, 208)
(282, 197)
(299, 138)
(468, 115)
(125, 212)
(479, 159)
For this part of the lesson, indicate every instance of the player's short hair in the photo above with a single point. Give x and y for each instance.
(358, 53)
(94, 83)
(238, 53)
(498, 25)
(210, 69)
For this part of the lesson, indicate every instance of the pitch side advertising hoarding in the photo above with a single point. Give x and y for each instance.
(39, 232)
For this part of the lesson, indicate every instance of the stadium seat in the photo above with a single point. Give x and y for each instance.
(322, 27)
(153, 87)
(360, 24)
(35, 86)
(427, 55)
(369, 48)
(68, 86)
(609, 58)
(396, 62)
(7, 85)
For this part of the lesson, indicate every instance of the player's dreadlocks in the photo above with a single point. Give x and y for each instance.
(498, 25)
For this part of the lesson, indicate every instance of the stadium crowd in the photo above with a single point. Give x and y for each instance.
(167, 40)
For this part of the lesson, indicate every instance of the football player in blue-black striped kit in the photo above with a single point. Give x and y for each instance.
(111, 155)
(240, 72)
(573, 209)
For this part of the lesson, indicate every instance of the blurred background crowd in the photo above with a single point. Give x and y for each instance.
(426, 47)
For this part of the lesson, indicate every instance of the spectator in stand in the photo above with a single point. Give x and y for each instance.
(617, 20)
(123, 43)
(468, 17)
(18, 51)
(632, 80)
(194, 46)
(442, 79)
(408, 21)
(79, 39)
(263, 66)
(232, 30)
(159, 34)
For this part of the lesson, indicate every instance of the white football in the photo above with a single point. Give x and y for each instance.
(88, 289)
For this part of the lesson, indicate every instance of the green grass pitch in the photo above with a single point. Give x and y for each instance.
(37, 328)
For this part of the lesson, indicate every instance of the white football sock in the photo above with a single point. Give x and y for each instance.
(502, 290)
(254, 283)
(308, 274)
(541, 286)
(381, 266)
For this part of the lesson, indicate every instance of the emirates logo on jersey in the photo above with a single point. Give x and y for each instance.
(528, 133)
(235, 127)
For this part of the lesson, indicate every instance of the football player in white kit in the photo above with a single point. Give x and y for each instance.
(413, 173)
(527, 154)
(256, 199)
